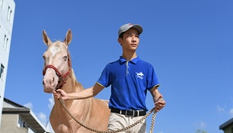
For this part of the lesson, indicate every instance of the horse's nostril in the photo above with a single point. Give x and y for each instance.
(53, 79)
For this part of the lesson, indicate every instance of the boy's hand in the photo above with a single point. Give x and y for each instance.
(61, 94)
(159, 104)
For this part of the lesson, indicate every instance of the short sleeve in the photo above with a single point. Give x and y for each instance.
(104, 78)
(152, 79)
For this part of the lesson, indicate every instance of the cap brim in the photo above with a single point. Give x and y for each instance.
(138, 28)
(126, 27)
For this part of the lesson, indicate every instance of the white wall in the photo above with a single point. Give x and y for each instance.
(7, 11)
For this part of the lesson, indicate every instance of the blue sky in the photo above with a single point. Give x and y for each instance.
(189, 43)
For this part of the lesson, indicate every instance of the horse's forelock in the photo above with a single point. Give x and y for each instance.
(60, 45)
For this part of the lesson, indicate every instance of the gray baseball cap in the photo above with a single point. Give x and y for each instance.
(128, 26)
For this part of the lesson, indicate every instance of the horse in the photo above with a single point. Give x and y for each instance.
(59, 74)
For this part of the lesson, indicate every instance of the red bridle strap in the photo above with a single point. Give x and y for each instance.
(62, 77)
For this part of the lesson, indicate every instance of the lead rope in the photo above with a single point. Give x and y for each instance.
(119, 130)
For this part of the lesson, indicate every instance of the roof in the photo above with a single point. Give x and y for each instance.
(227, 123)
(10, 107)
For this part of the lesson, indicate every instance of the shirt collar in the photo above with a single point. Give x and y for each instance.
(134, 60)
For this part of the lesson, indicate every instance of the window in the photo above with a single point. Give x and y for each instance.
(1, 70)
(8, 13)
(22, 123)
(5, 42)
(10, 16)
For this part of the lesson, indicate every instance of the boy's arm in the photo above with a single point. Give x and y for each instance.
(87, 93)
(157, 98)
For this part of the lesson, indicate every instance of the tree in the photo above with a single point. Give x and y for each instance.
(200, 131)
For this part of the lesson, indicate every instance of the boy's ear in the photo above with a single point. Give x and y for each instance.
(120, 40)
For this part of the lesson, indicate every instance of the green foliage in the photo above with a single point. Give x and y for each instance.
(200, 131)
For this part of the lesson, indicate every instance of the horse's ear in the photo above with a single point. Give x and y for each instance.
(68, 38)
(46, 39)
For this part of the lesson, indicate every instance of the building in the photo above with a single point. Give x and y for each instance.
(227, 127)
(19, 119)
(7, 11)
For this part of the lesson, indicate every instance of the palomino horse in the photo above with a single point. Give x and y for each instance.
(58, 73)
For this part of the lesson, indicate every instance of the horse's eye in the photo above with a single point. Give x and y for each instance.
(45, 59)
(65, 58)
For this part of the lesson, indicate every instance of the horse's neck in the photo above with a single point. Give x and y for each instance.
(71, 86)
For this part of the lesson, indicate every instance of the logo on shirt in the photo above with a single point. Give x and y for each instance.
(140, 75)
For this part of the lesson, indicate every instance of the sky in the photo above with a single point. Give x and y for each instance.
(189, 43)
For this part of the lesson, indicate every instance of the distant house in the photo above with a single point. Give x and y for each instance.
(19, 119)
(227, 127)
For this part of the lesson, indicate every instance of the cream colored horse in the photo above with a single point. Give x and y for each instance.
(58, 73)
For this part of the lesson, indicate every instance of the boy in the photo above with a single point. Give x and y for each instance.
(130, 78)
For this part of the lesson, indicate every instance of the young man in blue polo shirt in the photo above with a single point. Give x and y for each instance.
(129, 78)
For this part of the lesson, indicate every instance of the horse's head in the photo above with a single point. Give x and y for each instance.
(57, 64)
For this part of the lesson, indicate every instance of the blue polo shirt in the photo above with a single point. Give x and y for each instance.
(129, 82)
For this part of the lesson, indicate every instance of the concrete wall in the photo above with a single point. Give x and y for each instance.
(10, 124)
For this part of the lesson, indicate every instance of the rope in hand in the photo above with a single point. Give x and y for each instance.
(119, 130)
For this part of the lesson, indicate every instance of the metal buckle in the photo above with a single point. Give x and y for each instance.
(137, 113)
(126, 113)
(133, 113)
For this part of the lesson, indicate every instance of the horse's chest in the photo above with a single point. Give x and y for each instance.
(63, 129)
(63, 124)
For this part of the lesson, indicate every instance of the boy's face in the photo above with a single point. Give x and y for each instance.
(130, 40)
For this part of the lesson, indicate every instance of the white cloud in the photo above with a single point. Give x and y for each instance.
(220, 109)
(42, 117)
(201, 125)
(28, 105)
(51, 103)
(224, 110)
(231, 112)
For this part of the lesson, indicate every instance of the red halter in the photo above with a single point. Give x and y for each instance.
(62, 77)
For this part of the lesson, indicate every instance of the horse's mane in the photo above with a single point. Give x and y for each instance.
(74, 80)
